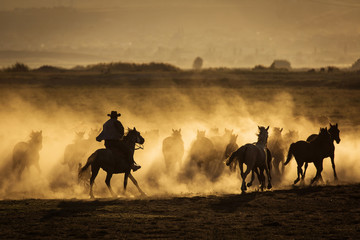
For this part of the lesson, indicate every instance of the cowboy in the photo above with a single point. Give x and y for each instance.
(112, 133)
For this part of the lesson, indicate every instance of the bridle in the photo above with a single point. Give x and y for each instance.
(138, 146)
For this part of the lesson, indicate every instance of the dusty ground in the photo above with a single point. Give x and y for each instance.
(323, 212)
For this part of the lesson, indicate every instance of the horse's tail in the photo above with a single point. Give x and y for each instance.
(90, 160)
(290, 154)
(238, 154)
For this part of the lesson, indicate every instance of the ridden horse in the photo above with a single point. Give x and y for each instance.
(329, 151)
(26, 154)
(313, 151)
(113, 164)
(277, 147)
(255, 158)
(173, 150)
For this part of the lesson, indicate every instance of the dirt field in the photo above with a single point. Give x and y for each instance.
(331, 212)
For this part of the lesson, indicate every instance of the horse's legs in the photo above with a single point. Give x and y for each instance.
(282, 167)
(333, 165)
(299, 172)
(244, 175)
(107, 181)
(262, 179)
(136, 184)
(319, 168)
(126, 176)
(252, 178)
(94, 173)
(268, 174)
(305, 167)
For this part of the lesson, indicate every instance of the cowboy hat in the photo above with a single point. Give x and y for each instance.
(114, 114)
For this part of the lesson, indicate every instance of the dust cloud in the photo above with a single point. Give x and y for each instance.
(71, 115)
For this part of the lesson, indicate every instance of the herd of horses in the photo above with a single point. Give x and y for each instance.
(206, 155)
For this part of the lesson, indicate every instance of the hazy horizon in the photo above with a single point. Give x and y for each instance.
(310, 33)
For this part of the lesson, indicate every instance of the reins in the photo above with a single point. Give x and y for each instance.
(138, 146)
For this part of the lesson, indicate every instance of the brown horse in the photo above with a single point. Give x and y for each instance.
(276, 145)
(173, 150)
(255, 156)
(111, 164)
(26, 154)
(230, 148)
(330, 149)
(313, 151)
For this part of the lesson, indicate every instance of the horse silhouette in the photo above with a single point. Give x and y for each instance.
(173, 150)
(255, 156)
(26, 154)
(231, 147)
(113, 163)
(202, 159)
(313, 151)
(75, 151)
(329, 151)
(276, 145)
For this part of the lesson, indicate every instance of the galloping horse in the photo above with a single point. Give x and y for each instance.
(230, 148)
(313, 151)
(112, 164)
(330, 149)
(255, 158)
(26, 154)
(277, 147)
(173, 150)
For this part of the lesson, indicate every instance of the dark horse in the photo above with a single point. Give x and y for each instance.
(26, 154)
(329, 151)
(173, 150)
(313, 151)
(105, 159)
(255, 156)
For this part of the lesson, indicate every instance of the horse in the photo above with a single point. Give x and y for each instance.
(230, 148)
(75, 151)
(277, 147)
(113, 164)
(255, 156)
(26, 154)
(313, 151)
(329, 151)
(202, 158)
(173, 150)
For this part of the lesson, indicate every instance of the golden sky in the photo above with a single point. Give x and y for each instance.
(224, 33)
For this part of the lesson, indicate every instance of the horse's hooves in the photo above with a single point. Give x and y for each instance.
(269, 186)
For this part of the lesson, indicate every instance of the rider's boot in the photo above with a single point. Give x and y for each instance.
(135, 166)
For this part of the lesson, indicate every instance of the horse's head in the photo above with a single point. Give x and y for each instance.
(200, 134)
(291, 136)
(323, 133)
(335, 133)
(277, 132)
(233, 138)
(36, 138)
(79, 136)
(263, 134)
(134, 136)
(93, 133)
(176, 133)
